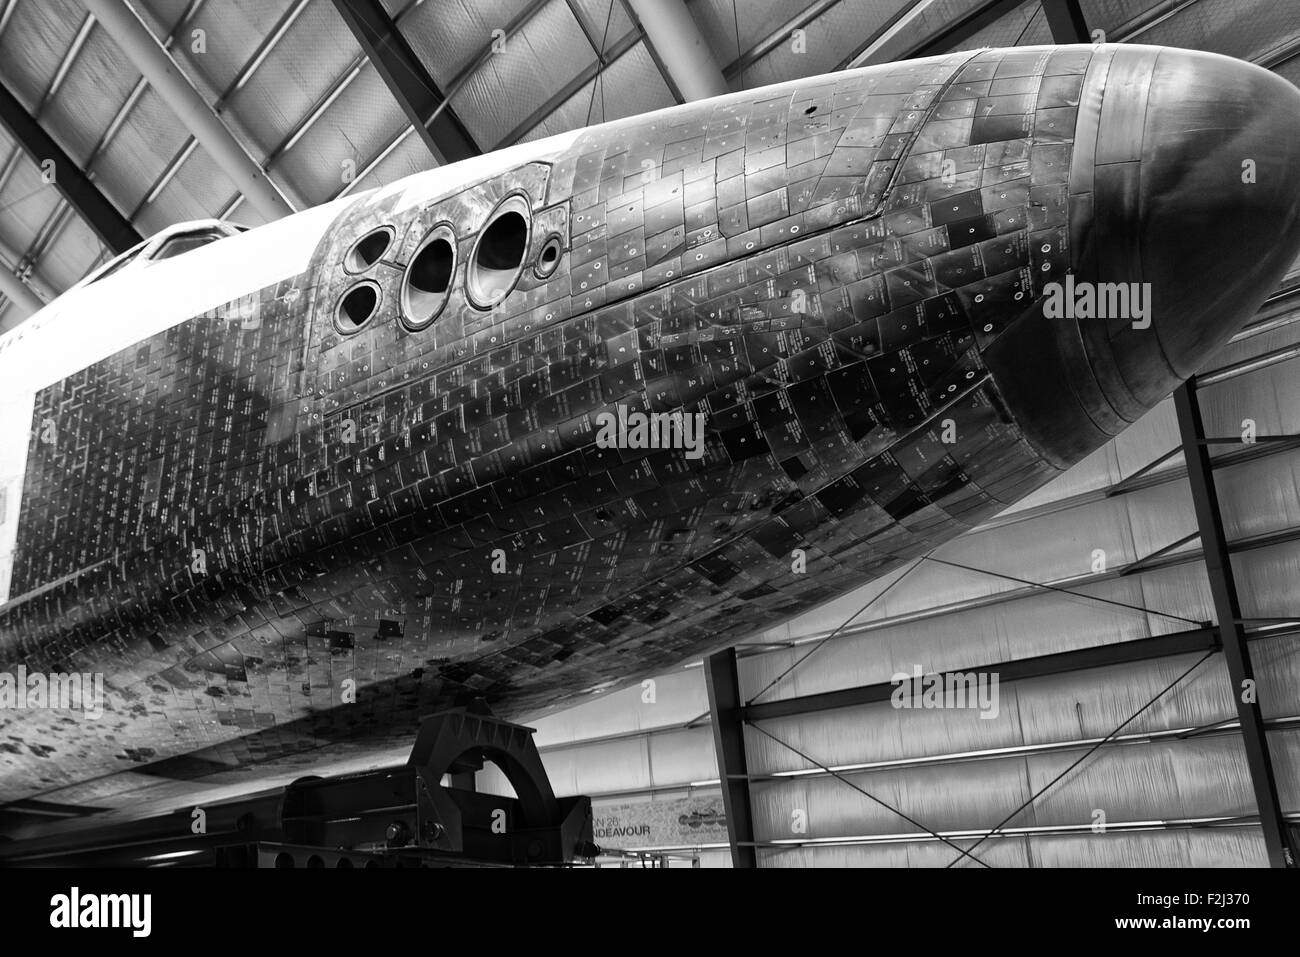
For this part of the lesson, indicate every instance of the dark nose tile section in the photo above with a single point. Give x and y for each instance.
(1194, 210)
(1220, 197)
(1184, 212)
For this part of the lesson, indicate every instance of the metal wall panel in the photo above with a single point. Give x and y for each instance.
(356, 126)
(448, 35)
(33, 45)
(1170, 780)
(1237, 847)
(534, 64)
(315, 50)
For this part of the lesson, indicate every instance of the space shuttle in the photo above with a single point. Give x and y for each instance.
(536, 425)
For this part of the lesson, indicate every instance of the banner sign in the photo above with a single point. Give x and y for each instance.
(682, 822)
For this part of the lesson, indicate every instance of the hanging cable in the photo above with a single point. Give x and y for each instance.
(1066, 591)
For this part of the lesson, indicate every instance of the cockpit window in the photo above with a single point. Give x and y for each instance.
(168, 244)
(183, 242)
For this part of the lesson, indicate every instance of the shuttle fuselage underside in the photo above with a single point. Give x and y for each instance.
(389, 475)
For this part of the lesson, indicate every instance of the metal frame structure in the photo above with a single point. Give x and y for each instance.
(388, 817)
(414, 89)
(726, 705)
(1227, 609)
(108, 223)
(153, 59)
(60, 219)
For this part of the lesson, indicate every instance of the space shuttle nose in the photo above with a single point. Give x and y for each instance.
(1183, 216)
(1195, 207)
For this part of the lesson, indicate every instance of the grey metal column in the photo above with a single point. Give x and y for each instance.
(681, 47)
(729, 744)
(130, 33)
(70, 180)
(404, 74)
(1227, 608)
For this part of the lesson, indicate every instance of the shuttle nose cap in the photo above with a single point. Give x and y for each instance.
(1197, 196)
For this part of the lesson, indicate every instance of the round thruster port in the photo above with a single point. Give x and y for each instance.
(356, 307)
(548, 260)
(498, 256)
(426, 286)
(368, 250)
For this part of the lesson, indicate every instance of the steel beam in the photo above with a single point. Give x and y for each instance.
(1065, 20)
(676, 39)
(1099, 656)
(725, 703)
(1227, 608)
(69, 179)
(414, 89)
(151, 58)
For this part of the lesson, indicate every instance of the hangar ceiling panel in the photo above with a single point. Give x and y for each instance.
(199, 186)
(1243, 28)
(1108, 15)
(1023, 26)
(33, 45)
(356, 126)
(720, 21)
(312, 53)
(831, 38)
(536, 63)
(631, 84)
(26, 203)
(407, 157)
(449, 37)
(593, 15)
(100, 78)
(233, 29)
(141, 151)
(74, 251)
